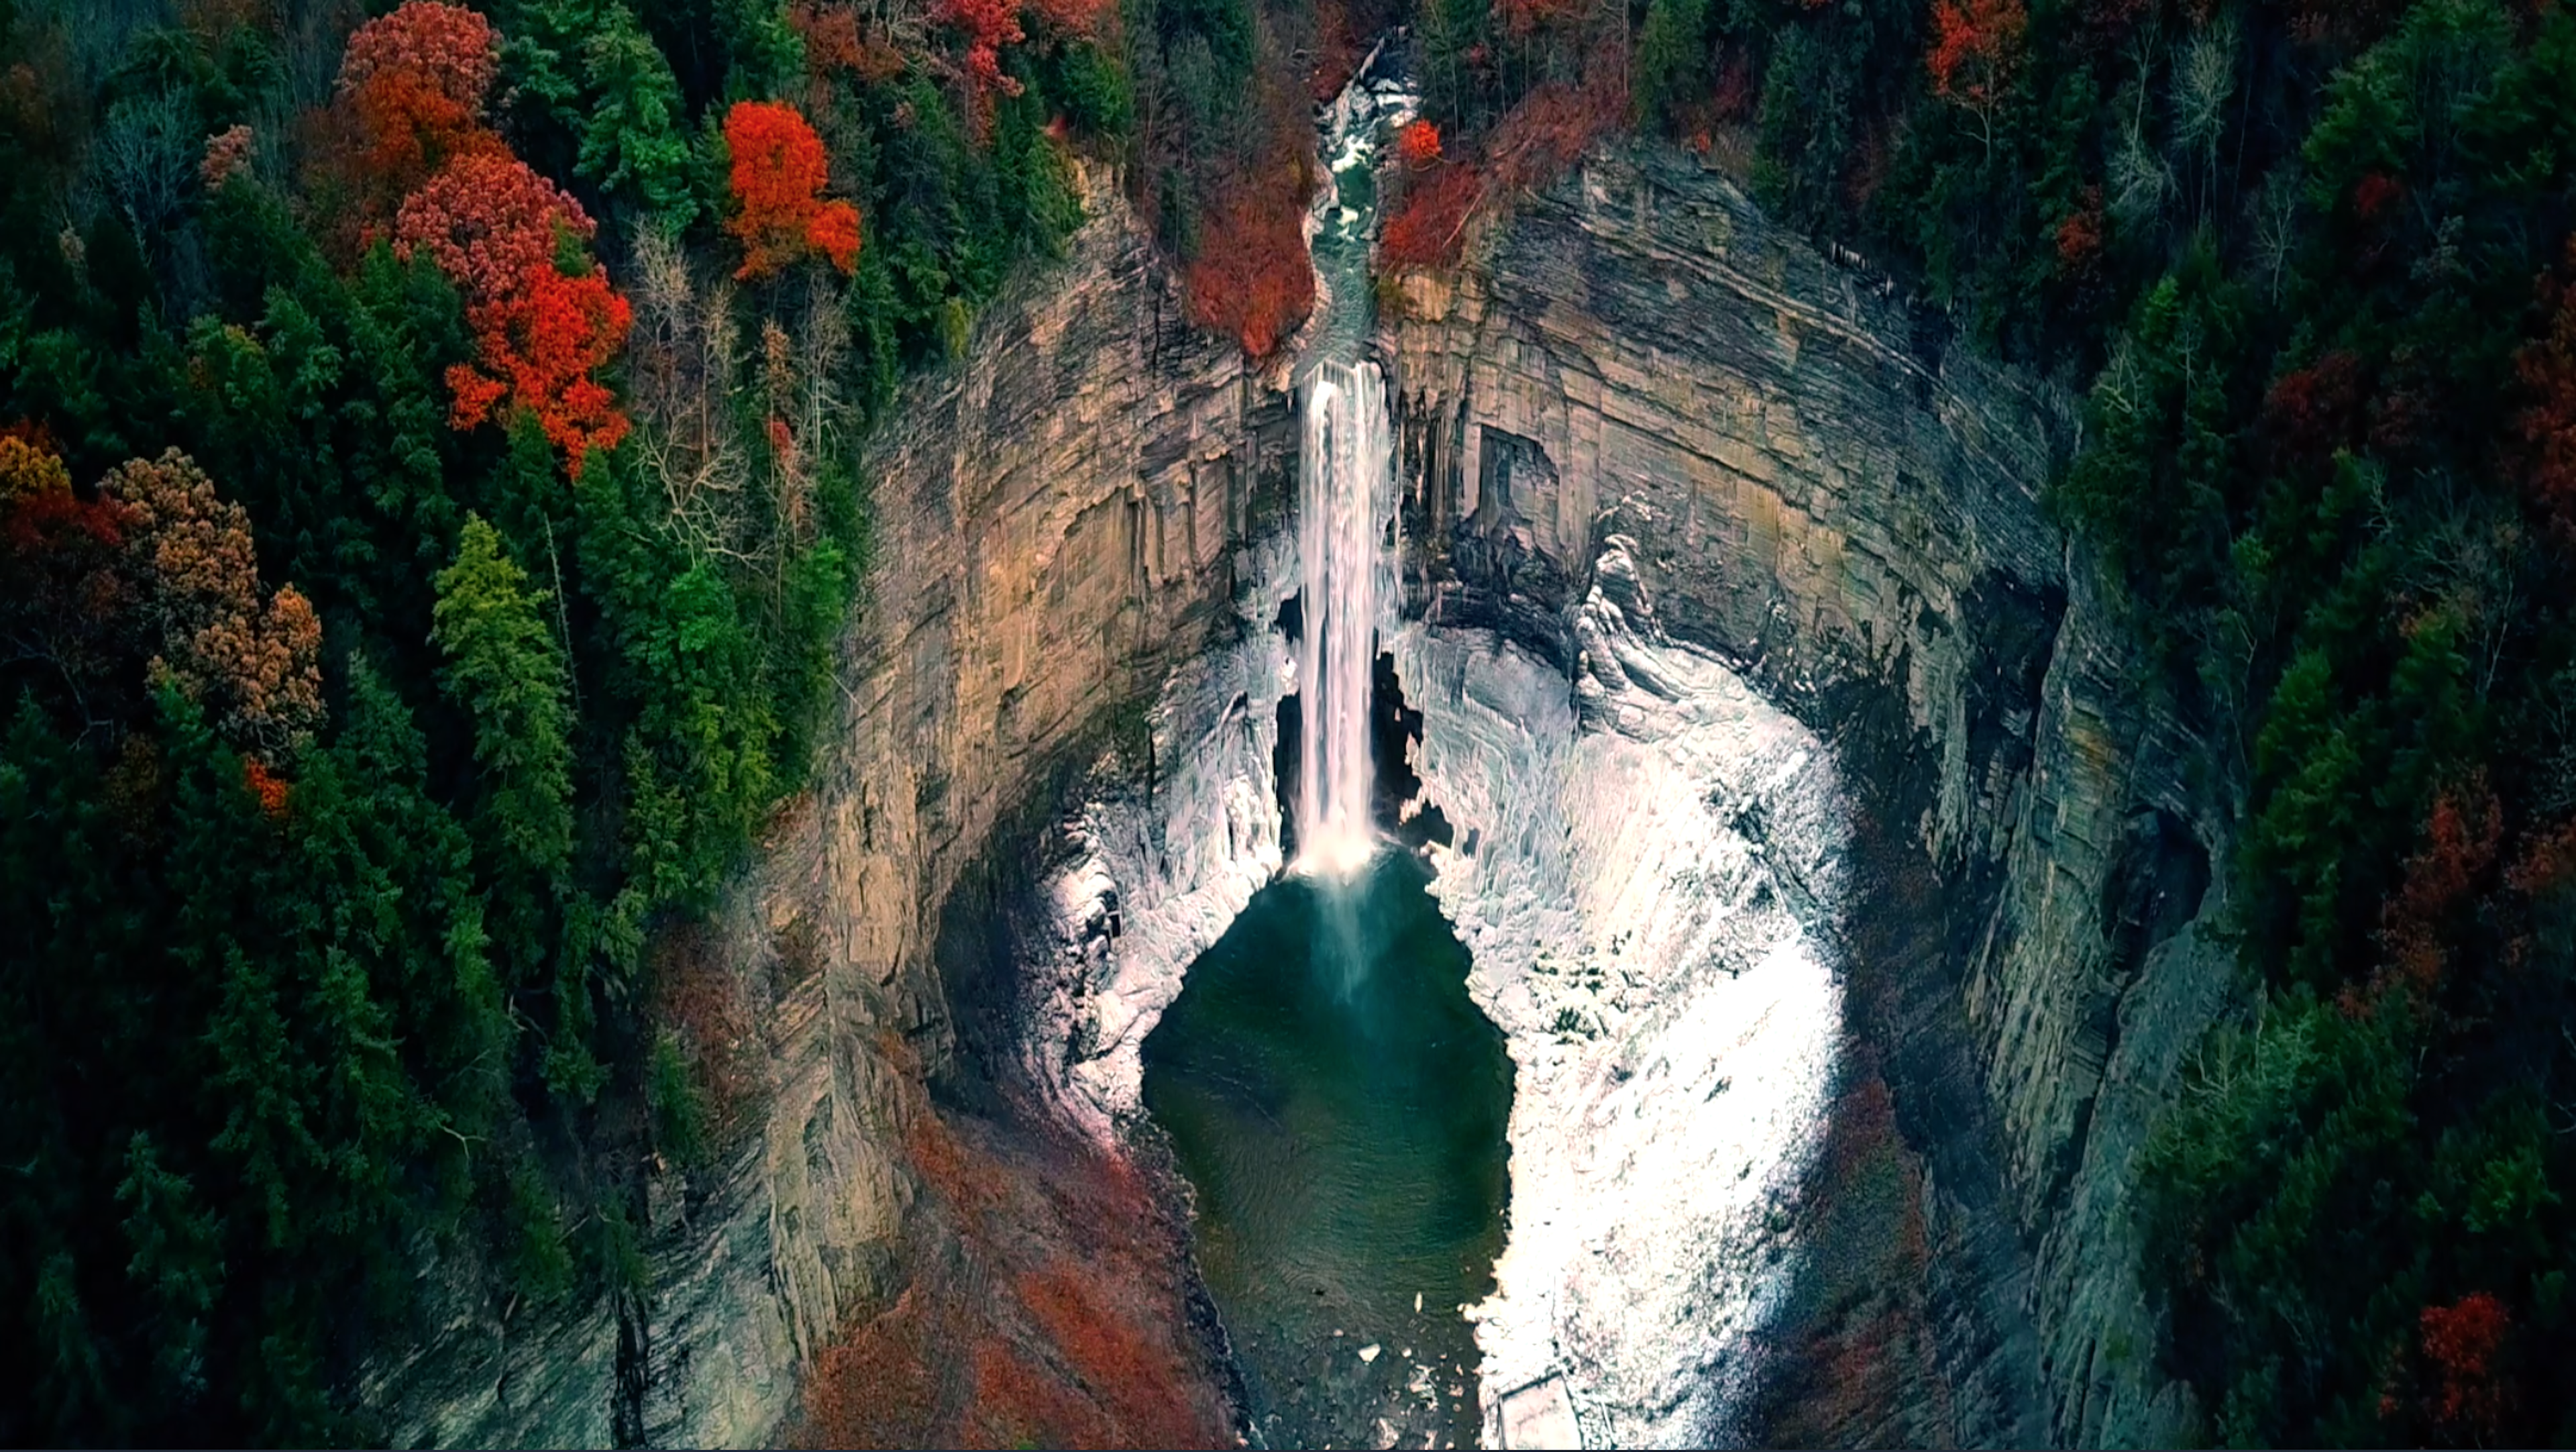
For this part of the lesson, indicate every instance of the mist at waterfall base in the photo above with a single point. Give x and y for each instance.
(1339, 1106)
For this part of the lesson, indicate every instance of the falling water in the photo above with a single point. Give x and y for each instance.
(1332, 1093)
(1343, 508)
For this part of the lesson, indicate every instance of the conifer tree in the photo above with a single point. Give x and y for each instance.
(505, 671)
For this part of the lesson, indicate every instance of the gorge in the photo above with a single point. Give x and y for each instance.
(1836, 1021)
(1261, 722)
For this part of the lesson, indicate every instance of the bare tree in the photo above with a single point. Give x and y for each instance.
(2276, 225)
(146, 152)
(2204, 77)
(684, 352)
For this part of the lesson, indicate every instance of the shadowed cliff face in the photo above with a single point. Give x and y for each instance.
(1852, 518)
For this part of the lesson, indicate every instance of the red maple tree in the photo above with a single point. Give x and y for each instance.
(2461, 1341)
(779, 169)
(1976, 54)
(486, 219)
(2460, 837)
(227, 156)
(986, 26)
(2375, 193)
(1418, 144)
(496, 228)
(450, 48)
(2547, 367)
(415, 80)
(1252, 278)
(2313, 411)
(2079, 235)
(269, 788)
(539, 346)
(1431, 220)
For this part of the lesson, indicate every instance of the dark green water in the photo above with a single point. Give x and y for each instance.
(1340, 1106)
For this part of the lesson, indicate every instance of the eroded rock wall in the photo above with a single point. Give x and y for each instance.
(1820, 493)
(1056, 519)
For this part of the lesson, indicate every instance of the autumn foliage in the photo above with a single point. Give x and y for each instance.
(63, 591)
(487, 220)
(541, 348)
(270, 789)
(2079, 235)
(414, 83)
(254, 664)
(451, 50)
(27, 470)
(779, 170)
(2547, 368)
(1419, 144)
(986, 26)
(1976, 50)
(1051, 1314)
(1431, 219)
(1252, 279)
(227, 156)
(497, 229)
(2460, 837)
(2461, 1341)
(2313, 411)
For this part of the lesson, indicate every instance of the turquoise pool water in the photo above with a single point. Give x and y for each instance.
(1339, 1105)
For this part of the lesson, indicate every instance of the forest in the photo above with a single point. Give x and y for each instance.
(428, 510)
(427, 516)
(2309, 267)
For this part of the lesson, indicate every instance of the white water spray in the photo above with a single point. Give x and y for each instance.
(1344, 508)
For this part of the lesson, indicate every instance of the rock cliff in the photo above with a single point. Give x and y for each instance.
(1636, 369)
(1805, 482)
(1056, 519)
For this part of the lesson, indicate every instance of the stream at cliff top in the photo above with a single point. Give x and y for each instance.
(1340, 1106)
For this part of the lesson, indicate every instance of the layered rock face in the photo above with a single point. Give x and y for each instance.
(1056, 519)
(1805, 486)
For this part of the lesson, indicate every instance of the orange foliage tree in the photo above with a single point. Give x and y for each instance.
(452, 50)
(987, 26)
(779, 169)
(227, 156)
(1977, 48)
(1251, 278)
(2462, 1341)
(63, 594)
(487, 220)
(498, 230)
(414, 81)
(540, 348)
(255, 665)
(2460, 837)
(1431, 218)
(2548, 369)
(1418, 144)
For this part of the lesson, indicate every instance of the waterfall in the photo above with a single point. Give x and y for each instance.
(1344, 496)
